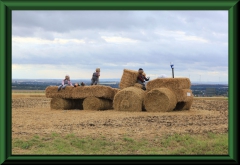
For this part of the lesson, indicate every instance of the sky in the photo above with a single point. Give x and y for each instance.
(51, 44)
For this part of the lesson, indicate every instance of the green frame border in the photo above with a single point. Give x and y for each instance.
(6, 7)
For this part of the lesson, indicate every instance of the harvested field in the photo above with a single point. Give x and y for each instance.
(33, 116)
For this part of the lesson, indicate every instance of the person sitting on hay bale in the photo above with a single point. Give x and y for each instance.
(95, 77)
(65, 82)
(82, 84)
(141, 78)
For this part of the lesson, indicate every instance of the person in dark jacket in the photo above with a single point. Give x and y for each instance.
(141, 78)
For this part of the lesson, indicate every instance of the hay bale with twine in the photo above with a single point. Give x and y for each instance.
(129, 78)
(160, 100)
(171, 83)
(94, 103)
(81, 92)
(59, 103)
(129, 99)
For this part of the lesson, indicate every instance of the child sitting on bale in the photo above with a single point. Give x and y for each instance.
(65, 82)
(141, 78)
(95, 77)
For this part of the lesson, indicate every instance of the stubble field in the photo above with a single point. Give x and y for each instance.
(31, 115)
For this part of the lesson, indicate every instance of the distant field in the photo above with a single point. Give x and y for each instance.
(211, 98)
(28, 91)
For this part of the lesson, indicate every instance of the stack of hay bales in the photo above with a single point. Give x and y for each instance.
(81, 97)
(179, 86)
(129, 99)
(81, 92)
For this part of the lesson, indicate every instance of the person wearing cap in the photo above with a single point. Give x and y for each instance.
(65, 82)
(141, 78)
(95, 77)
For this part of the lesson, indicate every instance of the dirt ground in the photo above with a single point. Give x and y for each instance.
(33, 116)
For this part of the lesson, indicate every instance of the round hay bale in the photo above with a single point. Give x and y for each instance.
(137, 85)
(59, 103)
(94, 103)
(171, 83)
(160, 100)
(129, 99)
(129, 78)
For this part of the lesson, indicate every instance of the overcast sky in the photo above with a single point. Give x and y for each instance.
(51, 44)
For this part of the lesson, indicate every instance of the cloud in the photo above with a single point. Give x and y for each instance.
(114, 40)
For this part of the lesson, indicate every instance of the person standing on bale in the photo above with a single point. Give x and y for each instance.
(65, 82)
(95, 77)
(141, 78)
